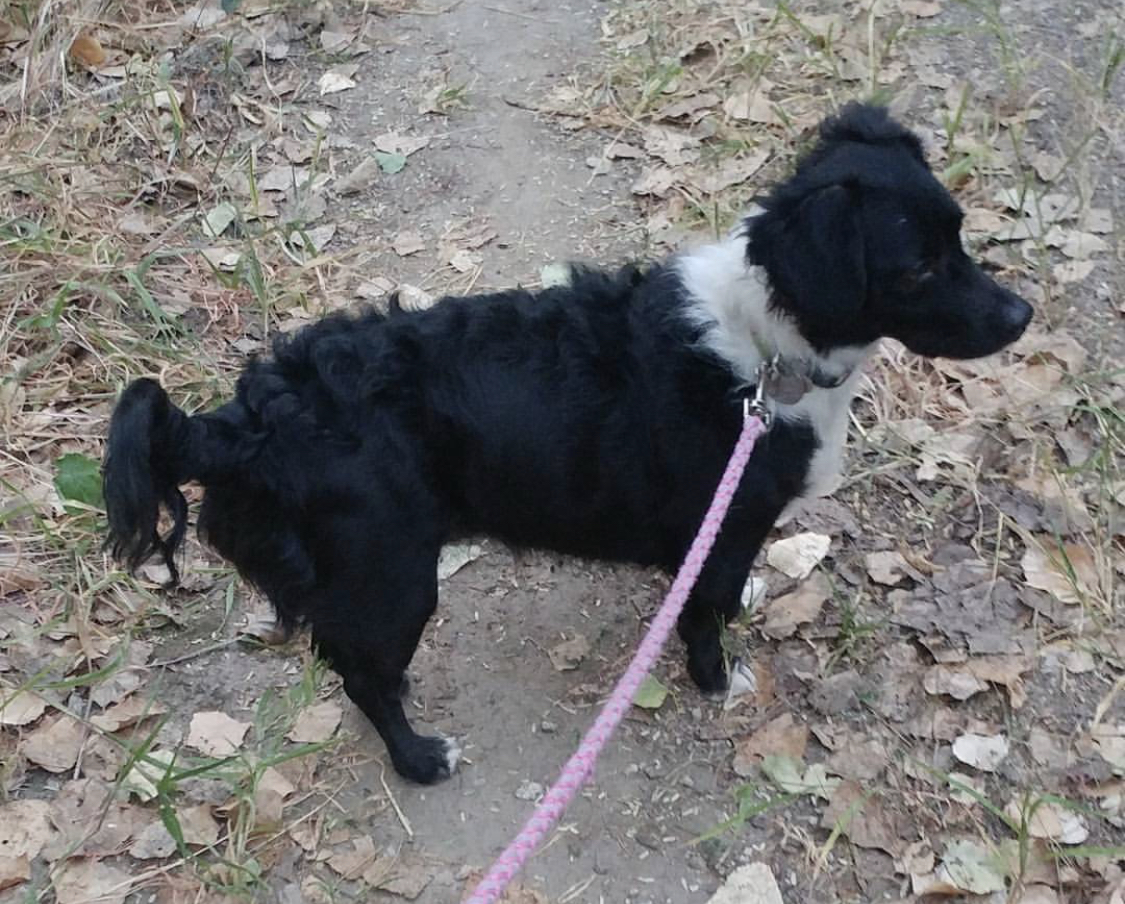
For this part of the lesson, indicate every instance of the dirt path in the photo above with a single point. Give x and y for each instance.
(484, 673)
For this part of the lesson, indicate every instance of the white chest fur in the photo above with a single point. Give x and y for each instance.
(729, 302)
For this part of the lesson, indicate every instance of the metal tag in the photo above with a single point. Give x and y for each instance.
(786, 388)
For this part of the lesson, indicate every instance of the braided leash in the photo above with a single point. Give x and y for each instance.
(580, 766)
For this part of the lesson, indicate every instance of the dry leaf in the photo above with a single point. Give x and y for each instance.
(25, 828)
(143, 776)
(984, 752)
(55, 745)
(91, 882)
(798, 555)
(88, 51)
(732, 171)
(405, 876)
(654, 180)
(351, 861)
(886, 567)
(394, 143)
(751, 106)
(750, 884)
(803, 605)
(215, 733)
(13, 871)
(317, 723)
(19, 707)
(570, 653)
(783, 736)
(1068, 574)
(1050, 821)
(862, 819)
(334, 81)
(968, 866)
(923, 9)
(408, 242)
(126, 713)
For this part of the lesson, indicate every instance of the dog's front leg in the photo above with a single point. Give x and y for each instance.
(717, 598)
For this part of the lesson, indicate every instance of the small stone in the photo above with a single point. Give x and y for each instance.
(529, 791)
(548, 727)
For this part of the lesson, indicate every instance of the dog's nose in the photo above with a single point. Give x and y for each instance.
(1016, 313)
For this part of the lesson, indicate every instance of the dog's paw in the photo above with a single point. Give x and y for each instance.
(743, 681)
(429, 760)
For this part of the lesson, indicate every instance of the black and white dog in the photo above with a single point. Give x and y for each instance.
(593, 418)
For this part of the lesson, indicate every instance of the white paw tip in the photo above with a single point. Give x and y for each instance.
(743, 681)
(452, 754)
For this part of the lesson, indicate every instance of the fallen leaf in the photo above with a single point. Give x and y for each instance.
(361, 176)
(390, 163)
(145, 774)
(923, 9)
(651, 694)
(464, 261)
(13, 871)
(983, 752)
(218, 219)
(1073, 271)
(91, 882)
(750, 884)
(20, 707)
(886, 568)
(798, 555)
(404, 145)
(783, 736)
(567, 655)
(655, 180)
(283, 178)
(317, 723)
(317, 237)
(215, 733)
(55, 745)
(1067, 573)
(1050, 821)
(632, 39)
(87, 50)
(405, 876)
(751, 106)
(126, 713)
(791, 776)
(732, 171)
(25, 828)
(967, 866)
(408, 242)
(351, 861)
(455, 556)
(862, 819)
(785, 613)
(1109, 741)
(334, 81)
(689, 107)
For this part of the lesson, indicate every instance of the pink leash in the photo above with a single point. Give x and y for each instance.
(579, 767)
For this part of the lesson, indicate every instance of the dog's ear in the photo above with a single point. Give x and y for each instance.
(812, 250)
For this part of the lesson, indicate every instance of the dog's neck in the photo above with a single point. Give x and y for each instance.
(730, 303)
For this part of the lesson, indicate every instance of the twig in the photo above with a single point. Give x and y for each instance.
(203, 651)
(519, 15)
(394, 803)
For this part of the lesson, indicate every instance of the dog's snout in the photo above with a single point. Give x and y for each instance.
(1015, 313)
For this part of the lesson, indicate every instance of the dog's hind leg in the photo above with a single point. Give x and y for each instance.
(368, 628)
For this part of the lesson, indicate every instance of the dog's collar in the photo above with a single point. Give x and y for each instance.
(788, 380)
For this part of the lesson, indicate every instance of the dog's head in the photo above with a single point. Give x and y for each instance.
(864, 242)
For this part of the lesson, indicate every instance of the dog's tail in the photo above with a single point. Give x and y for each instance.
(153, 447)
